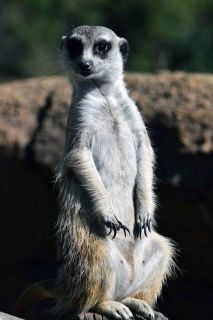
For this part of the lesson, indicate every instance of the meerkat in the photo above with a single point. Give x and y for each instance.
(112, 261)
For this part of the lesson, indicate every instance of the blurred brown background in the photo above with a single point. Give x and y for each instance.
(177, 108)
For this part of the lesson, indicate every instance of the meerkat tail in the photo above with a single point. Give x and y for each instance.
(32, 295)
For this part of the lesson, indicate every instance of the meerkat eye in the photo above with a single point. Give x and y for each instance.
(102, 47)
(74, 47)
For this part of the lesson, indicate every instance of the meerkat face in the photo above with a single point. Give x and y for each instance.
(93, 52)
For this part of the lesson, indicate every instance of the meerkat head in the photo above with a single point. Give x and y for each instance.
(93, 52)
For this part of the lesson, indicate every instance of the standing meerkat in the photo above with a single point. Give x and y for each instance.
(112, 261)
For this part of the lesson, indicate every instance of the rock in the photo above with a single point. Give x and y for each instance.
(177, 109)
(33, 111)
(4, 316)
(182, 102)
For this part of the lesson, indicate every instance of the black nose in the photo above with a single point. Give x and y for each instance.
(85, 66)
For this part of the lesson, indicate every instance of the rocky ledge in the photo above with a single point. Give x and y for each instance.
(178, 111)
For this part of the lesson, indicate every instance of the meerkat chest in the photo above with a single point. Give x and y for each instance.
(114, 144)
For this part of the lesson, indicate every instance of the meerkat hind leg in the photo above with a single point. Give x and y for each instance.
(142, 311)
(156, 266)
(139, 307)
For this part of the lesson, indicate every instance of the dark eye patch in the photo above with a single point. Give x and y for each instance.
(102, 47)
(74, 47)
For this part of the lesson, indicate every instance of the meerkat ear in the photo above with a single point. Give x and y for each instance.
(124, 48)
(62, 42)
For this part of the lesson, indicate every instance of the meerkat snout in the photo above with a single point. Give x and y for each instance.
(86, 67)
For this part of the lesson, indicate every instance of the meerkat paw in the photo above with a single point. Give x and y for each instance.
(144, 224)
(140, 308)
(160, 316)
(114, 226)
(114, 310)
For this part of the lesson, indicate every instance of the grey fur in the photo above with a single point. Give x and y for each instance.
(105, 183)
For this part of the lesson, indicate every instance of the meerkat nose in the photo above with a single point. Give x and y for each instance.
(86, 66)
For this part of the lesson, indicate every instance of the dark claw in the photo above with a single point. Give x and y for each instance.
(115, 227)
(115, 231)
(121, 226)
(137, 231)
(109, 225)
(128, 230)
(144, 227)
(109, 231)
(125, 229)
(124, 232)
(149, 225)
(118, 221)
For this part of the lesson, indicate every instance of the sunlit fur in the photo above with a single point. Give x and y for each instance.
(106, 170)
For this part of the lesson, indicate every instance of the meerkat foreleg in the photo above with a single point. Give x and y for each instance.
(144, 194)
(81, 162)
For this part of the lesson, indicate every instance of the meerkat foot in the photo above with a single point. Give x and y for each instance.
(140, 308)
(114, 310)
(91, 316)
(160, 316)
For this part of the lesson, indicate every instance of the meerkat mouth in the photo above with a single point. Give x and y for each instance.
(85, 73)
